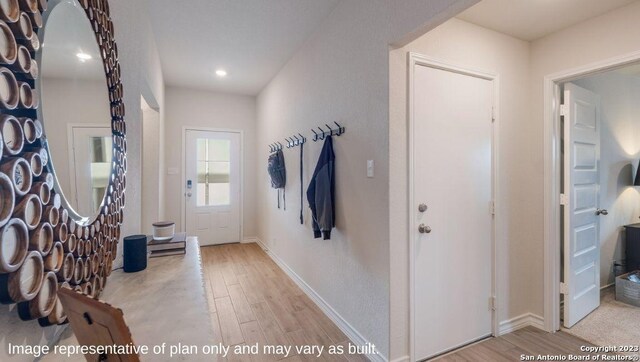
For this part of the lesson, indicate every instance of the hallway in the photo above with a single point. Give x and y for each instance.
(251, 300)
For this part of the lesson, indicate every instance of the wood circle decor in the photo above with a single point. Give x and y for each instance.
(43, 248)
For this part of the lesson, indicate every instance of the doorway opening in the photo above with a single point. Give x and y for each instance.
(600, 148)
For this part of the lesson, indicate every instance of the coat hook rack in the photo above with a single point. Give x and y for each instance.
(275, 147)
(295, 141)
(319, 136)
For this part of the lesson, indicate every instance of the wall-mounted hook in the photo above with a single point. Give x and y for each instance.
(330, 129)
(315, 135)
(296, 141)
(302, 139)
(279, 145)
(340, 129)
(322, 133)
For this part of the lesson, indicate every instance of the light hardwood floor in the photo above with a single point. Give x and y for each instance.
(251, 300)
(528, 341)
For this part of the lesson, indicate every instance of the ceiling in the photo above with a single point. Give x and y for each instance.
(68, 33)
(250, 39)
(533, 19)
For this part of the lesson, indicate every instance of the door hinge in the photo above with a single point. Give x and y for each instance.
(563, 110)
(563, 288)
(564, 200)
(492, 208)
(492, 303)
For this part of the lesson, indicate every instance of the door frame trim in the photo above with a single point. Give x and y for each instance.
(415, 59)
(552, 176)
(71, 158)
(183, 202)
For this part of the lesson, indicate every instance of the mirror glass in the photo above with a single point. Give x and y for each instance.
(75, 108)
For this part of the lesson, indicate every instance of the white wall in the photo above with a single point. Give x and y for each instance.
(469, 46)
(141, 72)
(619, 153)
(195, 108)
(152, 194)
(610, 35)
(90, 102)
(341, 74)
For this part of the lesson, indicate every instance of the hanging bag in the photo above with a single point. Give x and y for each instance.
(278, 173)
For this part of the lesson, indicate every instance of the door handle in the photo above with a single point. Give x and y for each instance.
(189, 194)
(424, 229)
(602, 212)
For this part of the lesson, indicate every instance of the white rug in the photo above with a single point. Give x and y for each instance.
(612, 324)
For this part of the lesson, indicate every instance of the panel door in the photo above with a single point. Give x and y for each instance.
(453, 182)
(212, 184)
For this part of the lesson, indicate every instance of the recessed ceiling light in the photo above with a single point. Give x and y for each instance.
(221, 73)
(83, 56)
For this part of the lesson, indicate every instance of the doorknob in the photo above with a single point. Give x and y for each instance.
(424, 229)
(422, 207)
(602, 212)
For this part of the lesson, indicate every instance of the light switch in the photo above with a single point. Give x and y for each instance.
(370, 168)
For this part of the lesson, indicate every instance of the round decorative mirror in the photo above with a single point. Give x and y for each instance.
(62, 152)
(72, 78)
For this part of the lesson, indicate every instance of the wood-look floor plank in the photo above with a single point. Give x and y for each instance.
(229, 326)
(234, 357)
(250, 288)
(316, 336)
(526, 341)
(282, 313)
(293, 359)
(253, 335)
(325, 323)
(217, 333)
(272, 331)
(299, 338)
(351, 357)
(240, 304)
(228, 274)
(210, 298)
(218, 286)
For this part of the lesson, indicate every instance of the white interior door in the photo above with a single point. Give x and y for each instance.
(453, 251)
(212, 169)
(581, 187)
(90, 169)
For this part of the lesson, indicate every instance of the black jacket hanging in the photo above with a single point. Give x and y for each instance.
(321, 192)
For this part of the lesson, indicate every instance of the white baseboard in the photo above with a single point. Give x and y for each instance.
(346, 328)
(521, 321)
(250, 239)
(401, 359)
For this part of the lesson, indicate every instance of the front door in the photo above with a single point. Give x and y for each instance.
(453, 237)
(212, 169)
(581, 187)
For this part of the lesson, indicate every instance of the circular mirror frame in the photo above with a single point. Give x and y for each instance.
(83, 241)
(52, 4)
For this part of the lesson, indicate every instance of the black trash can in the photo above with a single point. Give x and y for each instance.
(135, 253)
